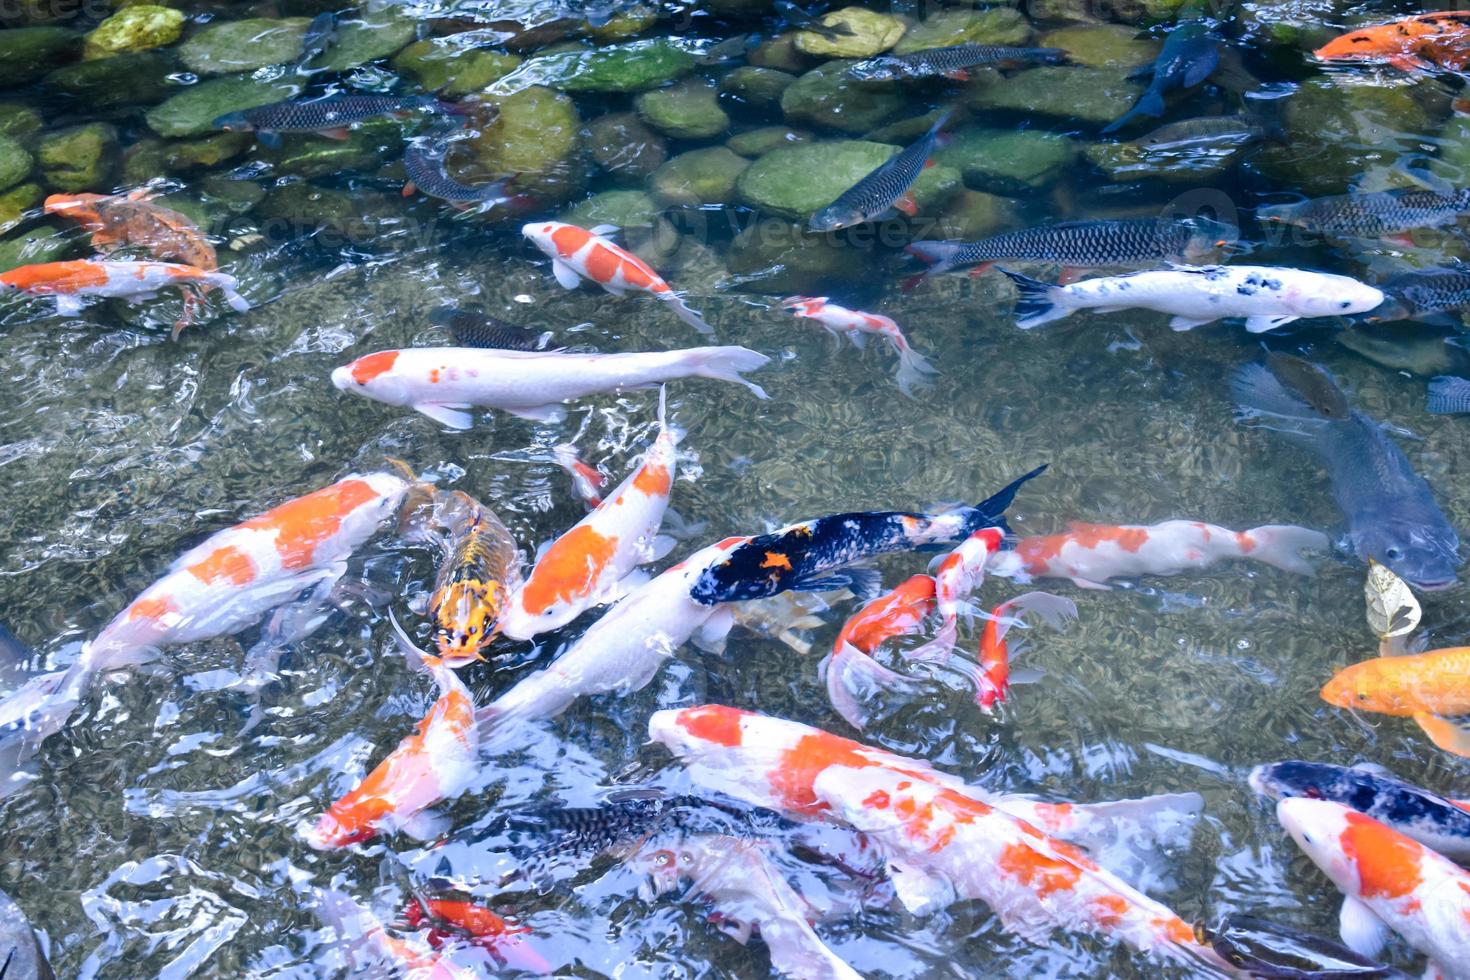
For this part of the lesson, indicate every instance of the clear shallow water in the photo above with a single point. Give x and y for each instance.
(157, 840)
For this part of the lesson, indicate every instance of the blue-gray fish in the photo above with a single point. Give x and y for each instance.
(1190, 53)
(1391, 513)
(319, 35)
(1422, 293)
(472, 328)
(330, 115)
(952, 62)
(1272, 951)
(1376, 215)
(874, 196)
(1428, 818)
(20, 952)
(1448, 396)
(424, 164)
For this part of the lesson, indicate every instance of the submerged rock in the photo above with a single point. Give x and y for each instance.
(364, 150)
(974, 214)
(15, 162)
(82, 158)
(777, 257)
(43, 244)
(244, 45)
(757, 88)
(443, 65)
(194, 110)
(1294, 24)
(293, 208)
(829, 97)
(27, 53)
(623, 146)
(624, 25)
(1095, 95)
(622, 209)
(123, 79)
(534, 137)
(689, 110)
(758, 142)
(633, 67)
(993, 25)
(147, 159)
(779, 53)
(1102, 46)
(16, 203)
(20, 122)
(136, 28)
(698, 178)
(868, 32)
(1009, 161)
(379, 32)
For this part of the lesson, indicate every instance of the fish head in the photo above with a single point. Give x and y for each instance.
(1411, 550)
(82, 207)
(1208, 239)
(373, 376)
(702, 734)
(1312, 780)
(234, 122)
(1392, 308)
(465, 614)
(1338, 296)
(1373, 685)
(1280, 214)
(540, 234)
(1317, 826)
(1357, 45)
(835, 216)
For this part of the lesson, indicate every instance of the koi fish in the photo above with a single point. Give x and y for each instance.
(367, 944)
(957, 576)
(806, 556)
(1414, 43)
(437, 762)
(481, 569)
(839, 321)
(332, 116)
(622, 651)
(851, 672)
(585, 566)
(994, 672)
(1448, 396)
(587, 480)
(133, 219)
(1428, 818)
(456, 922)
(1090, 554)
(442, 382)
(1270, 949)
(68, 282)
(941, 841)
(1389, 882)
(578, 254)
(219, 587)
(883, 191)
(750, 896)
(1431, 688)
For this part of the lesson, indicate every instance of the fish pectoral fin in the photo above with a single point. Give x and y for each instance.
(1407, 62)
(635, 579)
(605, 231)
(268, 139)
(659, 547)
(539, 413)
(1260, 324)
(710, 637)
(1361, 929)
(425, 825)
(68, 305)
(858, 338)
(865, 582)
(907, 204)
(450, 418)
(1450, 734)
(921, 892)
(1188, 323)
(565, 274)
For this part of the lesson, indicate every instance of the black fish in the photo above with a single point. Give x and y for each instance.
(806, 20)
(1423, 292)
(807, 556)
(1448, 396)
(332, 114)
(1276, 952)
(873, 197)
(1189, 55)
(424, 164)
(951, 61)
(319, 34)
(472, 328)
(1376, 215)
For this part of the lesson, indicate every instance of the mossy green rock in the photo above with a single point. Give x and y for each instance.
(1102, 46)
(1147, 11)
(868, 32)
(1299, 24)
(381, 31)
(20, 122)
(974, 214)
(795, 182)
(244, 45)
(622, 145)
(16, 203)
(1095, 95)
(15, 162)
(698, 178)
(82, 158)
(27, 53)
(123, 79)
(622, 209)
(624, 25)
(147, 159)
(758, 142)
(232, 196)
(1131, 161)
(1063, 11)
(633, 67)
(443, 65)
(830, 98)
(778, 257)
(1340, 126)
(534, 137)
(364, 150)
(779, 53)
(300, 205)
(193, 111)
(44, 244)
(136, 28)
(689, 110)
(995, 25)
(1454, 151)
(756, 88)
(1009, 162)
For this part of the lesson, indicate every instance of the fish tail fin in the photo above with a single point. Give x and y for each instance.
(690, 316)
(227, 285)
(1151, 103)
(43, 705)
(990, 512)
(938, 256)
(852, 677)
(1053, 610)
(1281, 545)
(726, 363)
(913, 369)
(1448, 396)
(939, 648)
(942, 121)
(1036, 301)
(1259, 393)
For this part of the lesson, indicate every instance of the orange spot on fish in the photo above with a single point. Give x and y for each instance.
(1042, 874)
(568, 569)
(798, 767)
(715, 723)
(228, 564)
(568, 239)
(1109, 910)
(57, 277)
(1387, 861)
(155, 609)
(365, 369)
(653, 480)
(1244, 540)
(775, 559)
(878, 799)
(601, 263)
(304, 523)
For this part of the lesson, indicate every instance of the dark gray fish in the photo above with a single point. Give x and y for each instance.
(332, 114)
(1390, 510)
(1204, 131)
(1423, 292)
(1419, 348)
(808, 20)
(1277, 952)
(20, 951)
(319, 35)
(472, 328)
(1085, 245)
(952, 61)
(424, 164)
(873, 197)
(1431, 819)
(1448, 396)
(1311, 384)
(1190, 53)
(1375, 215)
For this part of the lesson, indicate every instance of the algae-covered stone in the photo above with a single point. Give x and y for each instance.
(1096, 95)
(624, 25)
(1454, 150)
(379, 32)
(994, 25)
(194, 110)
(867, 33)
(829, 97)
(1296, 24)
(446, 65)
(16, 203)
(244, 45)
(1133, 161)
(623, 146)
(633, 67)
(777, 257)
(364, 149)
(43, 244)
(15, 162)
(27, 53)
(974, 214)
(779, 53)
(298, 206)
(1102, 46)
(136, 28)
(698, 178)
(534, 137)
(1063, 11)
(20, 122)
(1009, 162)
(758, 142)
(124, 79)
(689, 111)
(622, 209)
(232, 196)
(758, 88)
(148, 158)
(795, 182)
(82, 158)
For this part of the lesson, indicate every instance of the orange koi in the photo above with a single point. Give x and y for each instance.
(134, 220)
(452, 922)
(481, 569)
(1440, 39)
(993, 679)
(1433, 688)
(851, 671)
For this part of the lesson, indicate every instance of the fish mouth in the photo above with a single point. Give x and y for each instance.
(1434, 585)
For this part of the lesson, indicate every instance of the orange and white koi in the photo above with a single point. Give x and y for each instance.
(956, 577)
(132, 219)
(455, 922)
(1090, 554)
(851, 673)
(367, 945)
(941, 840)
(588, 481)
(1389, 882)
(749, 895)
(578, 254)
(1433, 688)
(479, 572)
(437, 762)
(994, 677)
(69, 282)
(913, 367)
(583, 567)
(1437, 39)
(223, 585)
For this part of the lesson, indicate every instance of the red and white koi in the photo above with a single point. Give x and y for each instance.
(68, 283)
(437, 762)
(1090, 554)
(941, 840)
(578, 254)
(585, 566)
(994, 677)
(956, 577)
(588, 482)
(851, 673)
(367, 945)
(1390, 882)
(455, 922)
(913, 367)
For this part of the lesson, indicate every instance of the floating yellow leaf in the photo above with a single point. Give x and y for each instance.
(1392, 608)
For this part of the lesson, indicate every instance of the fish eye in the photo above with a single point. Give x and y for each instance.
(1345, 303)
(1394, 554)
(1362, 695)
